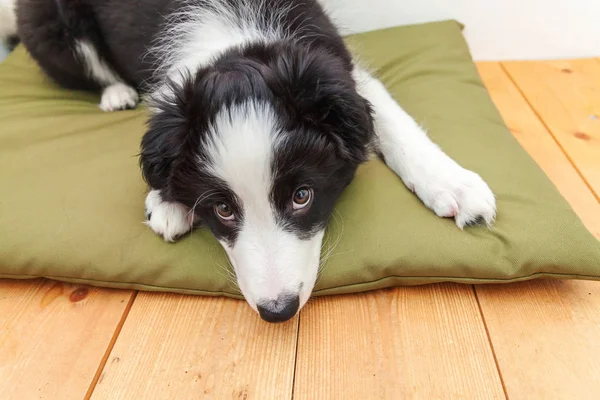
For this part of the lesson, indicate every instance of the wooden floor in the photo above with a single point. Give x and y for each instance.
(532, 340)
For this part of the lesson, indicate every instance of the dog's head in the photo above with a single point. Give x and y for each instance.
(260, 145)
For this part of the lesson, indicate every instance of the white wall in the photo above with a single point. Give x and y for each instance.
(494, 29)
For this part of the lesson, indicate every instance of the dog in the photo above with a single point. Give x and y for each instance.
(259, 118)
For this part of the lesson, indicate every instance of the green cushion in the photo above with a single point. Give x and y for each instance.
(72, 197)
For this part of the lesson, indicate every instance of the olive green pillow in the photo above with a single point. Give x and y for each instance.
(72, 197)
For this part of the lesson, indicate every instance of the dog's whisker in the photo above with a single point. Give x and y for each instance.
(200, 199)
(225, 272)
(337, 254)
(328, 253)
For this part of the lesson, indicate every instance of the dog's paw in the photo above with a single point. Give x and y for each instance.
(118, 96)
(461, 194)
(166, 219)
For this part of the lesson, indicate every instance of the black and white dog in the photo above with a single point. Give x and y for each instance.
(258, 120)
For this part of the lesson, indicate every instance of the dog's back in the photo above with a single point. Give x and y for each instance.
(135, 38)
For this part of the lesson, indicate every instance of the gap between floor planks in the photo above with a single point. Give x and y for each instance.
(175, 346)
(53, 335)
(565, 94)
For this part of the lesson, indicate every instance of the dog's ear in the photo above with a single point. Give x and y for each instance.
(168, 135)
(323, 95)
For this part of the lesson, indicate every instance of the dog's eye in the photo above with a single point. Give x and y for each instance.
(302, 198)
(224, 212)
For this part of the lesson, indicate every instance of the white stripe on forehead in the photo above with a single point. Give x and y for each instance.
(240, 148)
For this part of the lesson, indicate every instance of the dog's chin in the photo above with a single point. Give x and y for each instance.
(277, 291)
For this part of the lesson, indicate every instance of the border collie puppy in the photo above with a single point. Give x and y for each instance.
(258, 120)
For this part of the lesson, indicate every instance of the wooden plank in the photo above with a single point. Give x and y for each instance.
(534, 137)
(53, 336)
(424, 342)
(546, 337)
(545, 334)
(566, 96)
(186, 347)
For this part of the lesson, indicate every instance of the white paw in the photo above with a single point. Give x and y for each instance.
(118, 96)
(169, 220)
(459, 193)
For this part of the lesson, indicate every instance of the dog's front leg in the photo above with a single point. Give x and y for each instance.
(442, 185)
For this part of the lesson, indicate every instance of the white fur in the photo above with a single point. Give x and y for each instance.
(443, 185)
(169, 220)
(8, 19)
(267, 259)
(116, 95)
(204, 29)
(95, 67)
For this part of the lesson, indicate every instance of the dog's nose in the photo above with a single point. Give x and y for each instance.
(280, 310)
